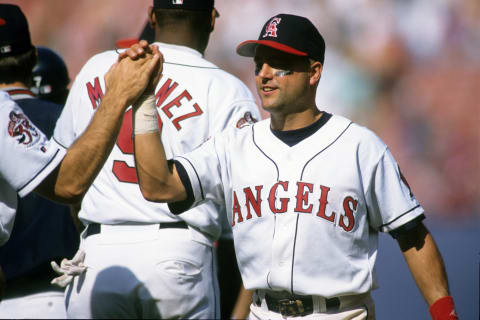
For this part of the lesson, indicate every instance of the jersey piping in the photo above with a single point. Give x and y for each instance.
(256, 145)
(60, 144)
(293, 254)
(303, 170)
(19, 93)
(39, 172)
(390, 222)
(188, 65)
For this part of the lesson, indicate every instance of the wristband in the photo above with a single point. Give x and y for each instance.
(443, 309)
(145, 115)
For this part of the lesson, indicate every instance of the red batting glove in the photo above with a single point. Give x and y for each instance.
(443, 309)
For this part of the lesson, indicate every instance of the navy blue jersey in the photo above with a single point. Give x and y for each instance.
(43, 230)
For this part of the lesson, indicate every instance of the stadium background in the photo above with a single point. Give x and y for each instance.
(409, 70)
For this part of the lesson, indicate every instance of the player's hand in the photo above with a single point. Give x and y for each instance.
(68, 269)
(128, 78)
(136, 50)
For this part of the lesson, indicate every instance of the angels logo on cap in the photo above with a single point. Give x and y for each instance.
(271, 28)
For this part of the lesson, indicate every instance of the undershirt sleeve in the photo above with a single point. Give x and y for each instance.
(407, 227)
(184, 205)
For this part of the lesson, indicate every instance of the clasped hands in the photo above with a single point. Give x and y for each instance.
(136, 72)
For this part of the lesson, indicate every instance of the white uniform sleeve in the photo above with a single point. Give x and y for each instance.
(390, 202)
(236, 105)
(64, 131)
(204, 170)
(27, 158)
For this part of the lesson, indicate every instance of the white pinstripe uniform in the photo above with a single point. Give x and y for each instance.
(27, 157)
(173, 267)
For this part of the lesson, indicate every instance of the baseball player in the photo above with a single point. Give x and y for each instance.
(50, 76)
(138, 255)
(234, 299)
(29, 160)
(307, 192)
(26, 257)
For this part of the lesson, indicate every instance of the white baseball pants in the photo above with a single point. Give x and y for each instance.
(144, 272)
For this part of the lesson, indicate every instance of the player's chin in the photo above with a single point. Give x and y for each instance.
(267, 102)
(268, 106)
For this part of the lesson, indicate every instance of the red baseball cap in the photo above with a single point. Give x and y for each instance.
(288, 33)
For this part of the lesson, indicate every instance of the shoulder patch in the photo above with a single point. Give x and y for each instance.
(246, 120)
(20, 129)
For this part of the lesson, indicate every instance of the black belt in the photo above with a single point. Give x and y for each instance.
(297, 305)
(95, 228)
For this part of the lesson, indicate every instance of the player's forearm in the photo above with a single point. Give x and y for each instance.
(241, 310)
(87, 155)
(425, 263)
(159, 181)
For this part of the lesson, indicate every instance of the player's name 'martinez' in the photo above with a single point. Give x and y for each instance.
(173, 100)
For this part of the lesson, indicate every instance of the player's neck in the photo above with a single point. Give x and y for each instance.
(294, 121)
(181, 39)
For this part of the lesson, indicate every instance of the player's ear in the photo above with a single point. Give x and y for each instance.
(315, 72)
(215, 14)
(152, 20)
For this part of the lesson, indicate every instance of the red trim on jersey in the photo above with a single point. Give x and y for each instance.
(13, 92)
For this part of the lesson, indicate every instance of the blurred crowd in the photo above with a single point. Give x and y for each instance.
(407, 69)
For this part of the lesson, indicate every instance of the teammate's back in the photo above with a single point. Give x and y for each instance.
(195, 99)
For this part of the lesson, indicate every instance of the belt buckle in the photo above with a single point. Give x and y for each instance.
(291, 308)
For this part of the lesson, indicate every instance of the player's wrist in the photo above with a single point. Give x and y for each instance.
(114, 102)
(443, 309)
(145, 115)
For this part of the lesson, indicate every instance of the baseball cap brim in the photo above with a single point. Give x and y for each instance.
(248, 48)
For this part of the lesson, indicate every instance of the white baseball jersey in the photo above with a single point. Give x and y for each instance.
(27, 157)
(305, 218)
(195, 100)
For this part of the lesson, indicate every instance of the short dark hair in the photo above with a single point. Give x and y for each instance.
(18, 68)
(197, 21)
